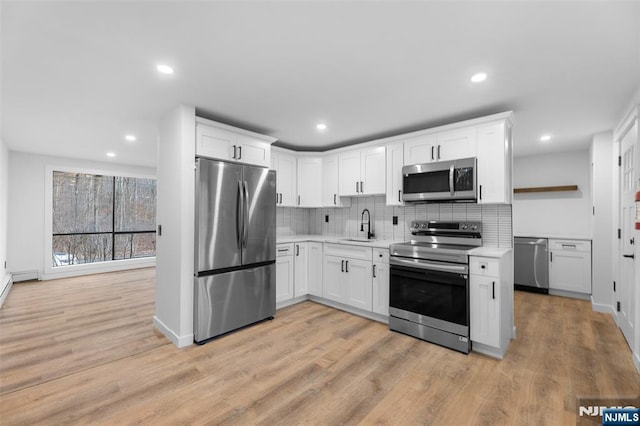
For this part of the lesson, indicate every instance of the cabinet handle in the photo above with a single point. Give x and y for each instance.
(234, 152)
(438, 152)
(357, 187)
(281, 198)
(239, 152)
(334, 199)
(569, 246)
(276, 198)
(551, 257)
(493, 289)
(481, 192)
(342, 265)
(362, 187)
(432, 153)
(374, 271)
(283, 250)
(298, 200)
(399, 199)
(297, 249)
(630, 256)
(346, 267)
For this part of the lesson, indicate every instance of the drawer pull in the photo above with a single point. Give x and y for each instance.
(493, 289)
(569, 246)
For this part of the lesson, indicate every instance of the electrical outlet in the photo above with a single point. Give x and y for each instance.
(326, 218)
(395, 220)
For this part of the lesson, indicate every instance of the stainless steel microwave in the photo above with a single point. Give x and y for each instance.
(455, 180)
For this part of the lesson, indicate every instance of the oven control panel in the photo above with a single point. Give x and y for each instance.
(435, 227)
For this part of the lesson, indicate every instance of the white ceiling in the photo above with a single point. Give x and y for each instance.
(77, 76)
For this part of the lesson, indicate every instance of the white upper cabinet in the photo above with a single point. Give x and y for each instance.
(330, 187)
(220, 141)
(455, 144)
(309, 182)
(284, 163)
(494, 163)
(362, 172)
(395, 162)
(442, 146)
(420, 149)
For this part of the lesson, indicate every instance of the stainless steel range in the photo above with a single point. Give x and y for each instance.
(429, 282)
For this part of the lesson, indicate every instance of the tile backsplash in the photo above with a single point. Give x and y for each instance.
(497, 229)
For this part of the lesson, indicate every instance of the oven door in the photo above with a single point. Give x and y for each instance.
(435, 294)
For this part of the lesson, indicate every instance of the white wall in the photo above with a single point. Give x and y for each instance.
(553, 214)
(176, 204)
(28, 209)
(4, 198)
(603, 161)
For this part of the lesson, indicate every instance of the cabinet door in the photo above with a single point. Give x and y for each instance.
(493, 182)
(372, 171)
(420, 149)
(358, 282)
(301, 269)
(484, 298)
(349, 173)
(309, 182)
(253, 151)
(333, 279)
(284, 278)
(286, 179)
(215, 143)
(570, 271)
(395, 162)
(330, 189)
(380, 288)
(315, 269)
(455, 144)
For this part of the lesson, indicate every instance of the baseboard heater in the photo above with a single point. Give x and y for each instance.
(25, 276)
(5, 285)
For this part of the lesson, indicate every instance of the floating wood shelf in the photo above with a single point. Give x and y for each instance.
(546, 189)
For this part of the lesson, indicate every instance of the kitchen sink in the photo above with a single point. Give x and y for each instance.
(359, 240)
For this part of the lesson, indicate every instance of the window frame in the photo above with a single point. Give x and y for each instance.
(84, 268)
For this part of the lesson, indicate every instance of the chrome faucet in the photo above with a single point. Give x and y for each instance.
(369, 233)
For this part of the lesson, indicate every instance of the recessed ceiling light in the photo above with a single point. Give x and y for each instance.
(545, 138)
(321, 127)
(111, 154)
(477, 78)
(164, 69)
(130, 138)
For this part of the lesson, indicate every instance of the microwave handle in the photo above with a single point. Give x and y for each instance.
(451, 169)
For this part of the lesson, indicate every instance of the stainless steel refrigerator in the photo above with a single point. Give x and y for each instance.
(235, 273)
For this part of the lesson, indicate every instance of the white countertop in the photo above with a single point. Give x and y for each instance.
(555, 236)
(333, 239)
(480, 251)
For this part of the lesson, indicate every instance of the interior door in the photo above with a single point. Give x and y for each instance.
(259, 215)
(626, 295)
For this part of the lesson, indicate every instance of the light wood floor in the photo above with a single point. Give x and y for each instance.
(84, 351)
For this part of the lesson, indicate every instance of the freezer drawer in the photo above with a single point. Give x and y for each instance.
(225, 302)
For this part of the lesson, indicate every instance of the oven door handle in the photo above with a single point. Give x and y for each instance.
(433, 266)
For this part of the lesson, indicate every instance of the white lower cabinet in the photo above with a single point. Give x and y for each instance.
(380, 288)
(570, 265)
(301, 269)
(491, 303)
(347, 275)
(284, 272)
(315, 268)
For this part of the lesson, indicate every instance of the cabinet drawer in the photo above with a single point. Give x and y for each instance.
(380, 255)
(352, 252)
(570, 245)
(284, 249)
(484, 266)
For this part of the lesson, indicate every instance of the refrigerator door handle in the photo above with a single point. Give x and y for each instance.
(239, 215)
(245, 224)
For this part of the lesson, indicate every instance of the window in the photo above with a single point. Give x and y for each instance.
(98, 218)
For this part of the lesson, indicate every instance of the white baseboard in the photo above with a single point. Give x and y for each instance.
(179, 341)
(5, 287)
(25, 275)
(572, 294)
(602, 307)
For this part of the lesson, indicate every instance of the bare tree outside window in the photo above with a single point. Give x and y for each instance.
(98, 218)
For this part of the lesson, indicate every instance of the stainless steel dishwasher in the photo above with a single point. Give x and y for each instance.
(531, 264)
